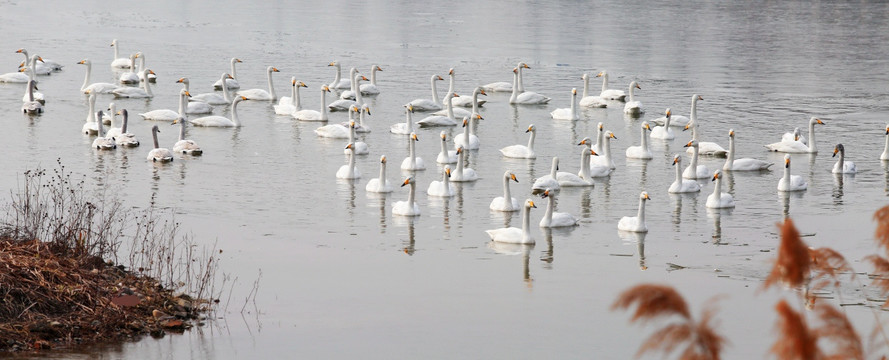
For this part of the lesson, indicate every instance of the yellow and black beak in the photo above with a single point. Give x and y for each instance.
(593, 152)
(406, 181)
(532, 204)
(688, 145)
(448, 171)
(715, 176)
(675, 160)
(835, 151)
(647, 197)
(787, 162)
(512, 176)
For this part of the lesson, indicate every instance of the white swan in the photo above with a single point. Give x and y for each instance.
(185, 146)
(681, 185)
(584, 175)
(91, 128)
(134, 92)
(358, 147)
(429, 104)
(745, 164)
(505, 202)
(159, 154)
(664, 132)
(642, 151)
(350, 94)
(705, 148)
(360, 125)
(605, 160)
(209, 98)
(260, 94)
(99, 87)
(442, 188)
(567, 113)
(522, 151)
(38, 96)
(461, 172)
(468, 140)
(842, 166)
(446, 156)
(409, 207)
(515, 235)
(439, 120)
(553, 219)
(610, 94)
(503, 86)
(125, 138)
(464, 101)
(289, 104)
(36, 64)
(315, 115)
(152, 77)
(407, 127)
(885, 155)
(167, 114)
(679, 120)
(797, 146)
(201, 107)
(102, 142)
(794, 136)
(635, 223)
(338, 131)
(232, 82)
(130, 77)
(527, 97)
(719, 199)
(412, 161)
(590, 100)
(548, 181)
(371, 89)
(455, 113)
(19, 76)
(345, 104)
(109, 117)
(791, 182)
(600, 138)
(221, 121)
(31, 105)
(633, 107)
(118, 62)
(695, 171)
(338, 81)
(349, 171)
(380, 184)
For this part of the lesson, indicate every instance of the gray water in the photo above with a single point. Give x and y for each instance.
(342, 277)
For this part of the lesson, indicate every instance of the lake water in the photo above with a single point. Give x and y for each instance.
(341, 277)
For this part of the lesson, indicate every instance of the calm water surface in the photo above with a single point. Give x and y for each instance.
(341, 277)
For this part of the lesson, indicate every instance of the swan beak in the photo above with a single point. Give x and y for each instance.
(349, 146)
(188, 93)
(600, 74)
(367, 109)
(274, 69)
(482, 92)
(512, 176)
(448, 171)
(613, 137)
(456, 95)
(327, 89)
(23, 69)
(669, 112)
(238, 60)
(379, 68)
(638, 87)
(675, 160)
(451, 72)
(532, 204)
(244, 98)
(411, 109)
(887, 131)
(364, 78)
(228, 76)
(796, 138)
(600, 126)
(293, 82)
(19, 51)
(835, 151)
(383, 159)
(406, 181)
(573, 91)
(715, 176)
(479, 117)
(515, 70)
(582, 142)
(302, 84)
(818, 121)
(545, 194)
(593, 152)
(526, 66)
(81, 62)
(787, 162)
(731, 133)
(465, 122)
(686, 127)
(175, 122)
(151, 72)
(700, 97)
(181, 80)
(648, 127)
(439, 78)
(332, 64)
(459, 150)
(414, 136)
(687, 145)
(647, 197)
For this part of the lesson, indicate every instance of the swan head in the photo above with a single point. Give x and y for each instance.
(478, 117)
(114, 42)
(447, 170)
(454, 94)
(437, 77)
(177, 120)
(584, 76)
(787, 160)
(410, 108)
(100, 114)
(409, 180)
(731, 133)
(414, 137)
(451, 72)
(696, 97)
(236, 60)
(574, 91)
(601, 74)
(83, 62)
(515, 70)
(677, 159)
(610, 135)
(377, 68)
(383, 159)
(334, 63)
(687, 126)
(644, 196)
(546, 193)
(815, 120)
(365, 108)
(593, 152)
(155, 129)
(668, 113)
(241, 98)
(839, 149)
(350, 146)
(301, 84)
(635, 85)
(887, 129)
(465, 121)
(325, 88)
(481, 91)
(646, 125)
(459, 150)
(20, 51)
(273, 69)
(529, 204)
(293, 81)
(362, 78)
(227, 76)
(531, 129)
(444, 136)
(586, 141)
(352, 124)
(354, 108)
(184, 92)
(693, 143)
(796, 134)
(182, 80)
(716, 175)
(509, 175)
(523, 66)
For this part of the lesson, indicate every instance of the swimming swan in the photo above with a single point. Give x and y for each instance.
(515, 235)
(635, 223)
(522, 151)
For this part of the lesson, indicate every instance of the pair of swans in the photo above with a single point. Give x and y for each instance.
(567, 113)
(345, 102)
(121, 136)
(664, 132)
(103, 142)
(705, 148)
(522, 151)
(260, 94)
(345, 129)
(289, 104)
(44, 67)
(38, 96)
(433, 104)
(679, 120)
(99, 87)
(524, 97)
(134, 92)
(158, 154)
(230, 82)
(642, 151)
(474, 102)
(635, 223)
(338, 81)
(599, 166)
(681, 185)
(468, 140)
(221, 121)
(407, 127)
(590, 100)
(505, 86)
(453, 113)
(315, 115)
(441, 120)
(610, 94)
(31, 105)
(792, 143)
(745, 164)
(513, 235)
(556, 179)
(209, 98)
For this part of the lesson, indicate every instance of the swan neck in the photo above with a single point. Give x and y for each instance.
(181, 129)
(434, 91)
(296, 102)
(526, 223)
(271, 86)
(225, 95)
(585, 164)
(444, 147)
(521, 81)
(693, 118)
(475, 100)
(531, 140)
(574, 105)
(89, 70)
(123, 127)
(409, 123)
(886, 147)
(811, 137)
(235, 118)
(352, 159)
(92, 114)
(30, 91)
(645, 136)
(182, 105)
(293, 94)
(678, 167)
(101, 129)
(717, 189)
(154, 136)
(554, 171)
(469, 126)
(116, 52)
(411, 194)
(641, 214)
(460, 163)
(507, 195)
(450, 83)
(412, 153)
(382, 174)
(515, 87)
(607, 150)
(694, 159)
(145, 85)
(604, 82)
(586, 85)
(323, 105)
(550, 206)
(631, 93)
(337, 78)
(730, 159)
(373, 76)
(786, 176)
(446, 180)
(234, 73)
(451, 107)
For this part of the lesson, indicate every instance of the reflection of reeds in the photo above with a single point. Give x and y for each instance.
(657, 301)
(797, 341)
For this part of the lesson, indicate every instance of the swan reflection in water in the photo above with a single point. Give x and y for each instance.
(516, 249)
(346, 191)
(784, 199)
(409, 222)
(378, 201)
(639, 239)
(837, 193)
(716, 215)
(548, 255)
